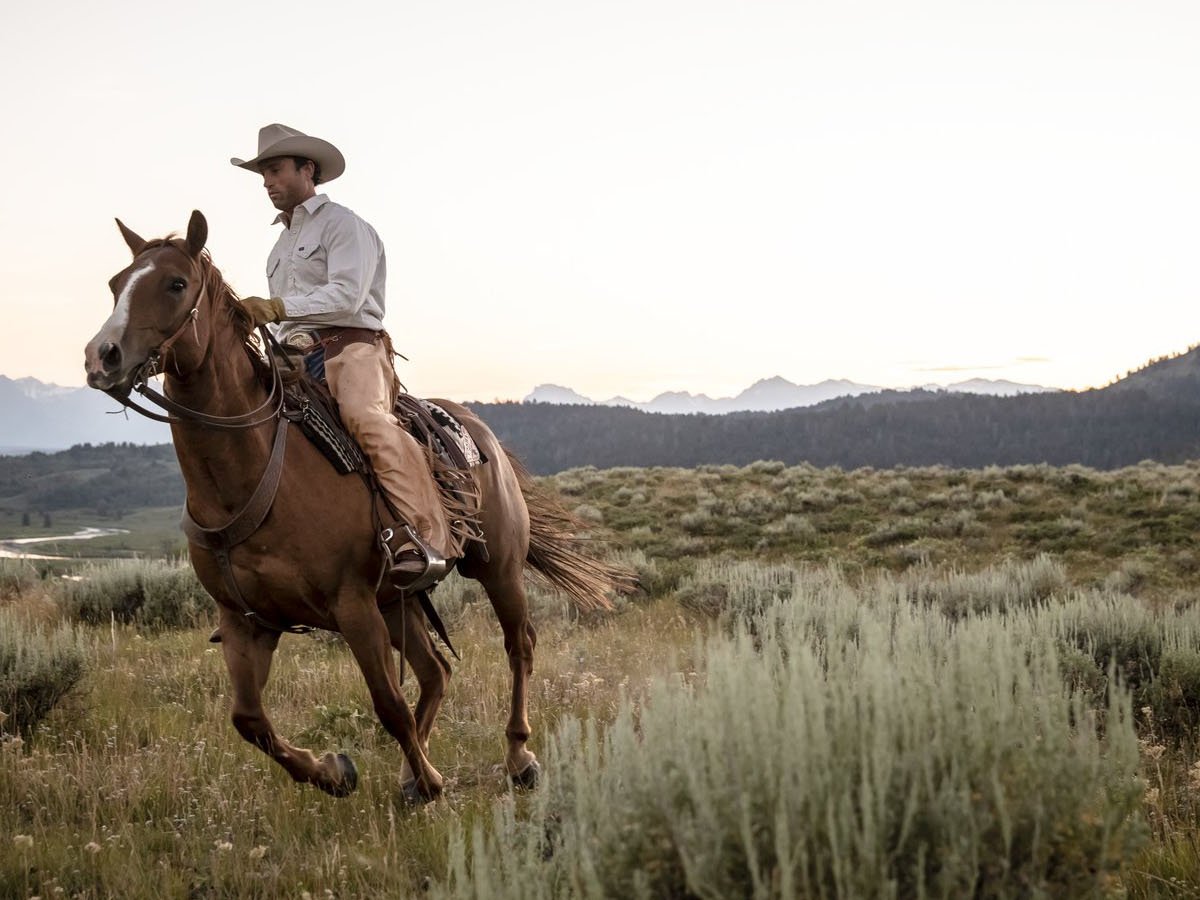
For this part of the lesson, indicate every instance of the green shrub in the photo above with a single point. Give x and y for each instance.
(1009, 586)
(920, 759)
(735, 591)
(38, 667)
(153, 593)
(17, 576)
(1157, 654)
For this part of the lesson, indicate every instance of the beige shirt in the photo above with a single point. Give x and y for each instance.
(328, 267)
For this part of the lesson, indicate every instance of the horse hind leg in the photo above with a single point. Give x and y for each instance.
(248, 650)
(406, 628)
(505, 586)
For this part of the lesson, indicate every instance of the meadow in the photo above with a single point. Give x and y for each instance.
(912, 682)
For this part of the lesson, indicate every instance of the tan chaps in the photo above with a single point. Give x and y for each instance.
(364, 384)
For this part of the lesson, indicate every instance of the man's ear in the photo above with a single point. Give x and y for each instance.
(135, 243)
(197, 233)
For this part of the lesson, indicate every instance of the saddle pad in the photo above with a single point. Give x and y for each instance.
(445, 435)
(309, 405)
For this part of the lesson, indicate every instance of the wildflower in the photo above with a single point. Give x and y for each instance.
(223, 846)
(92, 847)
(258, 852)
(24, 841)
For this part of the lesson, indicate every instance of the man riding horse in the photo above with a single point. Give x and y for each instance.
(326, 276)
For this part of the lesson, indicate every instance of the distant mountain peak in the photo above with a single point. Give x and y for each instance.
(554, 393)
(769, 395)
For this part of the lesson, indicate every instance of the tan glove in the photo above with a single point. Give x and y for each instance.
(263, 310)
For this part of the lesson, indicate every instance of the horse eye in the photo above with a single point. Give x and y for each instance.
(178, 285)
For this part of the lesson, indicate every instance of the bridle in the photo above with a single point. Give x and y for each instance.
(268, 410)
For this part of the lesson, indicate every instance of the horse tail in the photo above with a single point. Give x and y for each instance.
(564, 558)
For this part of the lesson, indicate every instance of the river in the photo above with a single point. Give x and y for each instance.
(10, 548)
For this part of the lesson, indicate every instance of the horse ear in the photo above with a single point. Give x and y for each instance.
(197, 235)
(135, 243)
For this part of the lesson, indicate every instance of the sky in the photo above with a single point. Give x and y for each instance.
(634, 197)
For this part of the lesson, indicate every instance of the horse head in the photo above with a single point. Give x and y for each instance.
(155, 298)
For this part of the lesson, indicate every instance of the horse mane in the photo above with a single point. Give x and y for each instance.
(226, 299)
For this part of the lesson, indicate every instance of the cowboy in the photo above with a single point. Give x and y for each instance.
(326, 277)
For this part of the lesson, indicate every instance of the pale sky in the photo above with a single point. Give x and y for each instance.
(632, 197)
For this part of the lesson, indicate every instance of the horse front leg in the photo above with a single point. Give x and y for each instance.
(248, 651)
(364, 628)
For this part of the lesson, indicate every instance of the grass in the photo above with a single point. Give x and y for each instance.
(668, 730)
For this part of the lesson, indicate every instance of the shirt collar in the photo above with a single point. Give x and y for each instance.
(311, 205)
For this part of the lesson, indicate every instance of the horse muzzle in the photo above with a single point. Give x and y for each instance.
(107, 366)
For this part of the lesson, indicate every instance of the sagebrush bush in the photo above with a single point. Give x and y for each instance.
(1156, 653)
(38, 667)
(17, 576)
(1010, 585)
(153, 593)
(913, 758)
(735, 591)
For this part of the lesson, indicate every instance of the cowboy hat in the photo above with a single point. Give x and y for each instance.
(280, 140)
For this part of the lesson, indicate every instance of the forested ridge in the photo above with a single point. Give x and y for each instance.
(1144, 417)
(1103, 429)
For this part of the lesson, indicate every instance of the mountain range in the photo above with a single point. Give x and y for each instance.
(38, 416)
(770, 395)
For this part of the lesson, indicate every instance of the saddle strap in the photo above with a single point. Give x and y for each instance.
(220, 541)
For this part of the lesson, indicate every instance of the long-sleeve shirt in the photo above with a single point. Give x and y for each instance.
(328, 267)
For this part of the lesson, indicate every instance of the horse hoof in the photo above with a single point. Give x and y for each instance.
(347, 781)
(527, 779)
(412, 794)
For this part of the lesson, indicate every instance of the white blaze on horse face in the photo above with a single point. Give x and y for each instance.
(114, 328)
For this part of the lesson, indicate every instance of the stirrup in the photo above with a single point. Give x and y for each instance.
(400, 565)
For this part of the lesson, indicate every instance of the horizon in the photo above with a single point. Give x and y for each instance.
(893, 194)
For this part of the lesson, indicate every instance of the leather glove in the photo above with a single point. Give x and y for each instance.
(263, 310)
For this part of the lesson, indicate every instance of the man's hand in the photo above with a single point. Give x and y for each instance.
(263, 310)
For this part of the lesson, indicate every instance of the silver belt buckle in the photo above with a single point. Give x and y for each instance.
(301, 340)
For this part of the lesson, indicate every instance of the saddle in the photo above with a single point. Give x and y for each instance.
(452, 452)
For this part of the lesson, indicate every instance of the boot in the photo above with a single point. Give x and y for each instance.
(412, 564)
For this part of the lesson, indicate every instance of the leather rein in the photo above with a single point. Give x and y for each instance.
(220, 541)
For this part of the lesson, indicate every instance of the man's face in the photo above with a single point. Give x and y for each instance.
(287, 185)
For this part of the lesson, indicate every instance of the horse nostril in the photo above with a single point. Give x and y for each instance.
(110, 356)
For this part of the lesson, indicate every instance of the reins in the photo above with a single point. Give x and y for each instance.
(220, 541)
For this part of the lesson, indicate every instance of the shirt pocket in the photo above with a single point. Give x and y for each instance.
(310, 262)
(274, 275)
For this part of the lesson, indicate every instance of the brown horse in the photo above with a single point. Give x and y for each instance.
(314, 560)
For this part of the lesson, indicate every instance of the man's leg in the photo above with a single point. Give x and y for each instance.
(363, 382)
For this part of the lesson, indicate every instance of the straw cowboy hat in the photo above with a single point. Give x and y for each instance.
(280, 140)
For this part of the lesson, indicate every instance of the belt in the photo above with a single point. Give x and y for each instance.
(333, 339)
